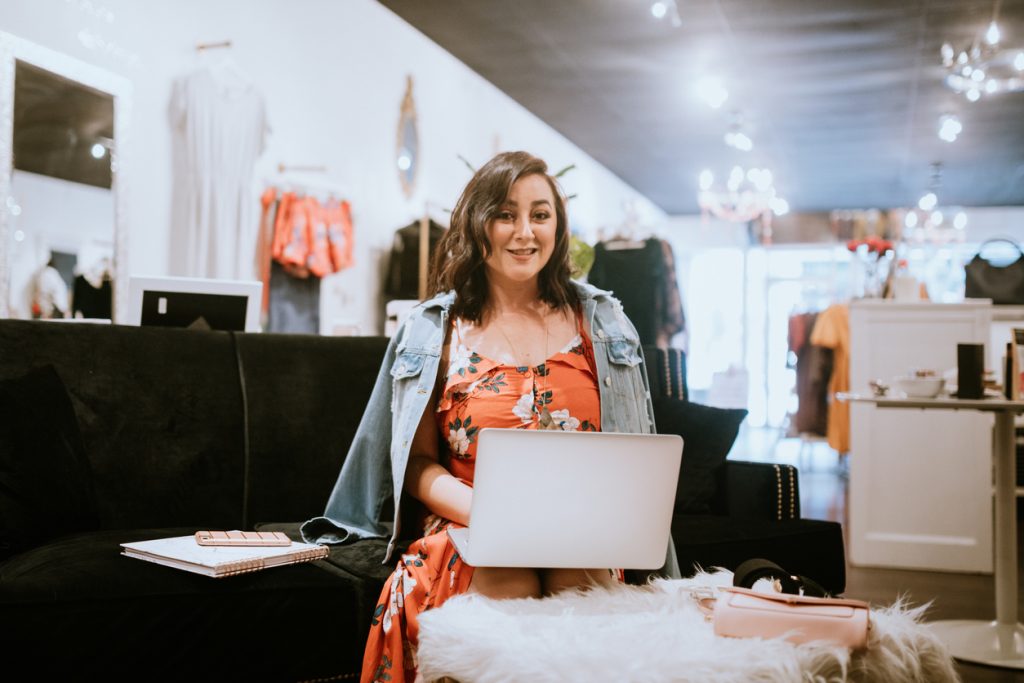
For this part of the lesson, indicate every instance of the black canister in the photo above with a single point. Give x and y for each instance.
(970, 368)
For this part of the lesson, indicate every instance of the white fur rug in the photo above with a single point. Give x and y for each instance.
(656, 633)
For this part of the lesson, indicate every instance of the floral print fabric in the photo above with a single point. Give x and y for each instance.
(478, 392)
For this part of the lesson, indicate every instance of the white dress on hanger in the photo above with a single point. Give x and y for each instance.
(220, 127)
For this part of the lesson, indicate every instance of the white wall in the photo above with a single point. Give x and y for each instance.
(333, 74)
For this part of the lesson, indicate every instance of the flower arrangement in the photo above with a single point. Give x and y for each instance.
(875, 254)
(874, 245)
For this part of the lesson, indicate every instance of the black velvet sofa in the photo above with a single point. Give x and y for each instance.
(111, 434)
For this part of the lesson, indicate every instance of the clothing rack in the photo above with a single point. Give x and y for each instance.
(200, 47)
(318, 181)
(424, 253)
(303, 168)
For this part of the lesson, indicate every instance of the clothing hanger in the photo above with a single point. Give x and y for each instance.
(627, 236)
(436, 212)
(225, 68)
(424, 245)
(622, 241)
(306, 180)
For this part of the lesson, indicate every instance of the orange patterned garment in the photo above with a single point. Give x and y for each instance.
(478, 393)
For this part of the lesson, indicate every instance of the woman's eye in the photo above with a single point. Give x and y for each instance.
(505, 216)
(541, 216)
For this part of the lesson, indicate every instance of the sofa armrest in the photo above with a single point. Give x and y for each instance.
(757, 490)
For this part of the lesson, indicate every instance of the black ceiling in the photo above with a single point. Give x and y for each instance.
(841, 97)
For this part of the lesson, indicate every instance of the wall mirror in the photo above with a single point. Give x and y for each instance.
(408, 151)
(63, 132)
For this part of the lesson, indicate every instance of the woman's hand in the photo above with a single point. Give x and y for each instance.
(444, 495)
(428, 481)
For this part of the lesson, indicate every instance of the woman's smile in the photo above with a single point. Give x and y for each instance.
(522, 234)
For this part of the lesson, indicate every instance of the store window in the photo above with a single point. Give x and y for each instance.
(738, 304)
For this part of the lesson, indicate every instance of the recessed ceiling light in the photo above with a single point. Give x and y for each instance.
(711, 91)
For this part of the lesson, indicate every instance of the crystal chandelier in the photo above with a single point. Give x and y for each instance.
(985, 67)
(747, 194)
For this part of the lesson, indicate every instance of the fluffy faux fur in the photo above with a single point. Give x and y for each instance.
(656, 633)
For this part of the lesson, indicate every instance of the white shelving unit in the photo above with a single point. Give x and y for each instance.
(920, 480)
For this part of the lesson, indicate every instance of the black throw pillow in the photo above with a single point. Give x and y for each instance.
(708, 434)
(46, 485)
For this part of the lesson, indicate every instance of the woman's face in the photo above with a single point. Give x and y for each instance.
(522, 235)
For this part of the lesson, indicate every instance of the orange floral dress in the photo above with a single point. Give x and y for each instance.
(478, 392)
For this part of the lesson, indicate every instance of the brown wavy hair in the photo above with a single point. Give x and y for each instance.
(459, 256)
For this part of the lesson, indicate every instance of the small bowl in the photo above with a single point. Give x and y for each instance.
(920, 387)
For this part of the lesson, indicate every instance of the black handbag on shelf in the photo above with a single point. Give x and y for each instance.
(1002, 284)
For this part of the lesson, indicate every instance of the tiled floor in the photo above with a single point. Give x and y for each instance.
(823, 496)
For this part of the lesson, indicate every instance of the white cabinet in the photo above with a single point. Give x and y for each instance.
(920, 481)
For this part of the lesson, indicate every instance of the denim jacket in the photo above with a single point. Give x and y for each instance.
(366, 499)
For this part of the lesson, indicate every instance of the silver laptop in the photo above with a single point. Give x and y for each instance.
(571, 499)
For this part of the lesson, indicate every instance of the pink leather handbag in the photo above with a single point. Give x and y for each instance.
(744, 613)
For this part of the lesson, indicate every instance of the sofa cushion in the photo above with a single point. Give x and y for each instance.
(810, 547)
(297, 445)
(708, 434)
(160, 413)
(46, 487)
(111, 613)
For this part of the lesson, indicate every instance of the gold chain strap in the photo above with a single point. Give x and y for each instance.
(792, 493)
(778, 492)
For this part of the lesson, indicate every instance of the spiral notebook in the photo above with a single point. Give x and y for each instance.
(182, 552)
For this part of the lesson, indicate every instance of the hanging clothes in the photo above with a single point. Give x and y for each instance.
(338, 217)
(294, 303)
(301, 240)
(402, 278)
(49, 294)
(220, 126)
(89, 301)
(91, 290)
(832, 331)
(305, 235)
(643, 277)
(813, 368)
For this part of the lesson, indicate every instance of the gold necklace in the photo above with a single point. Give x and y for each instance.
(545, 421)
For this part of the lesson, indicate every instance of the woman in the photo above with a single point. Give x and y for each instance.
(508, 341)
